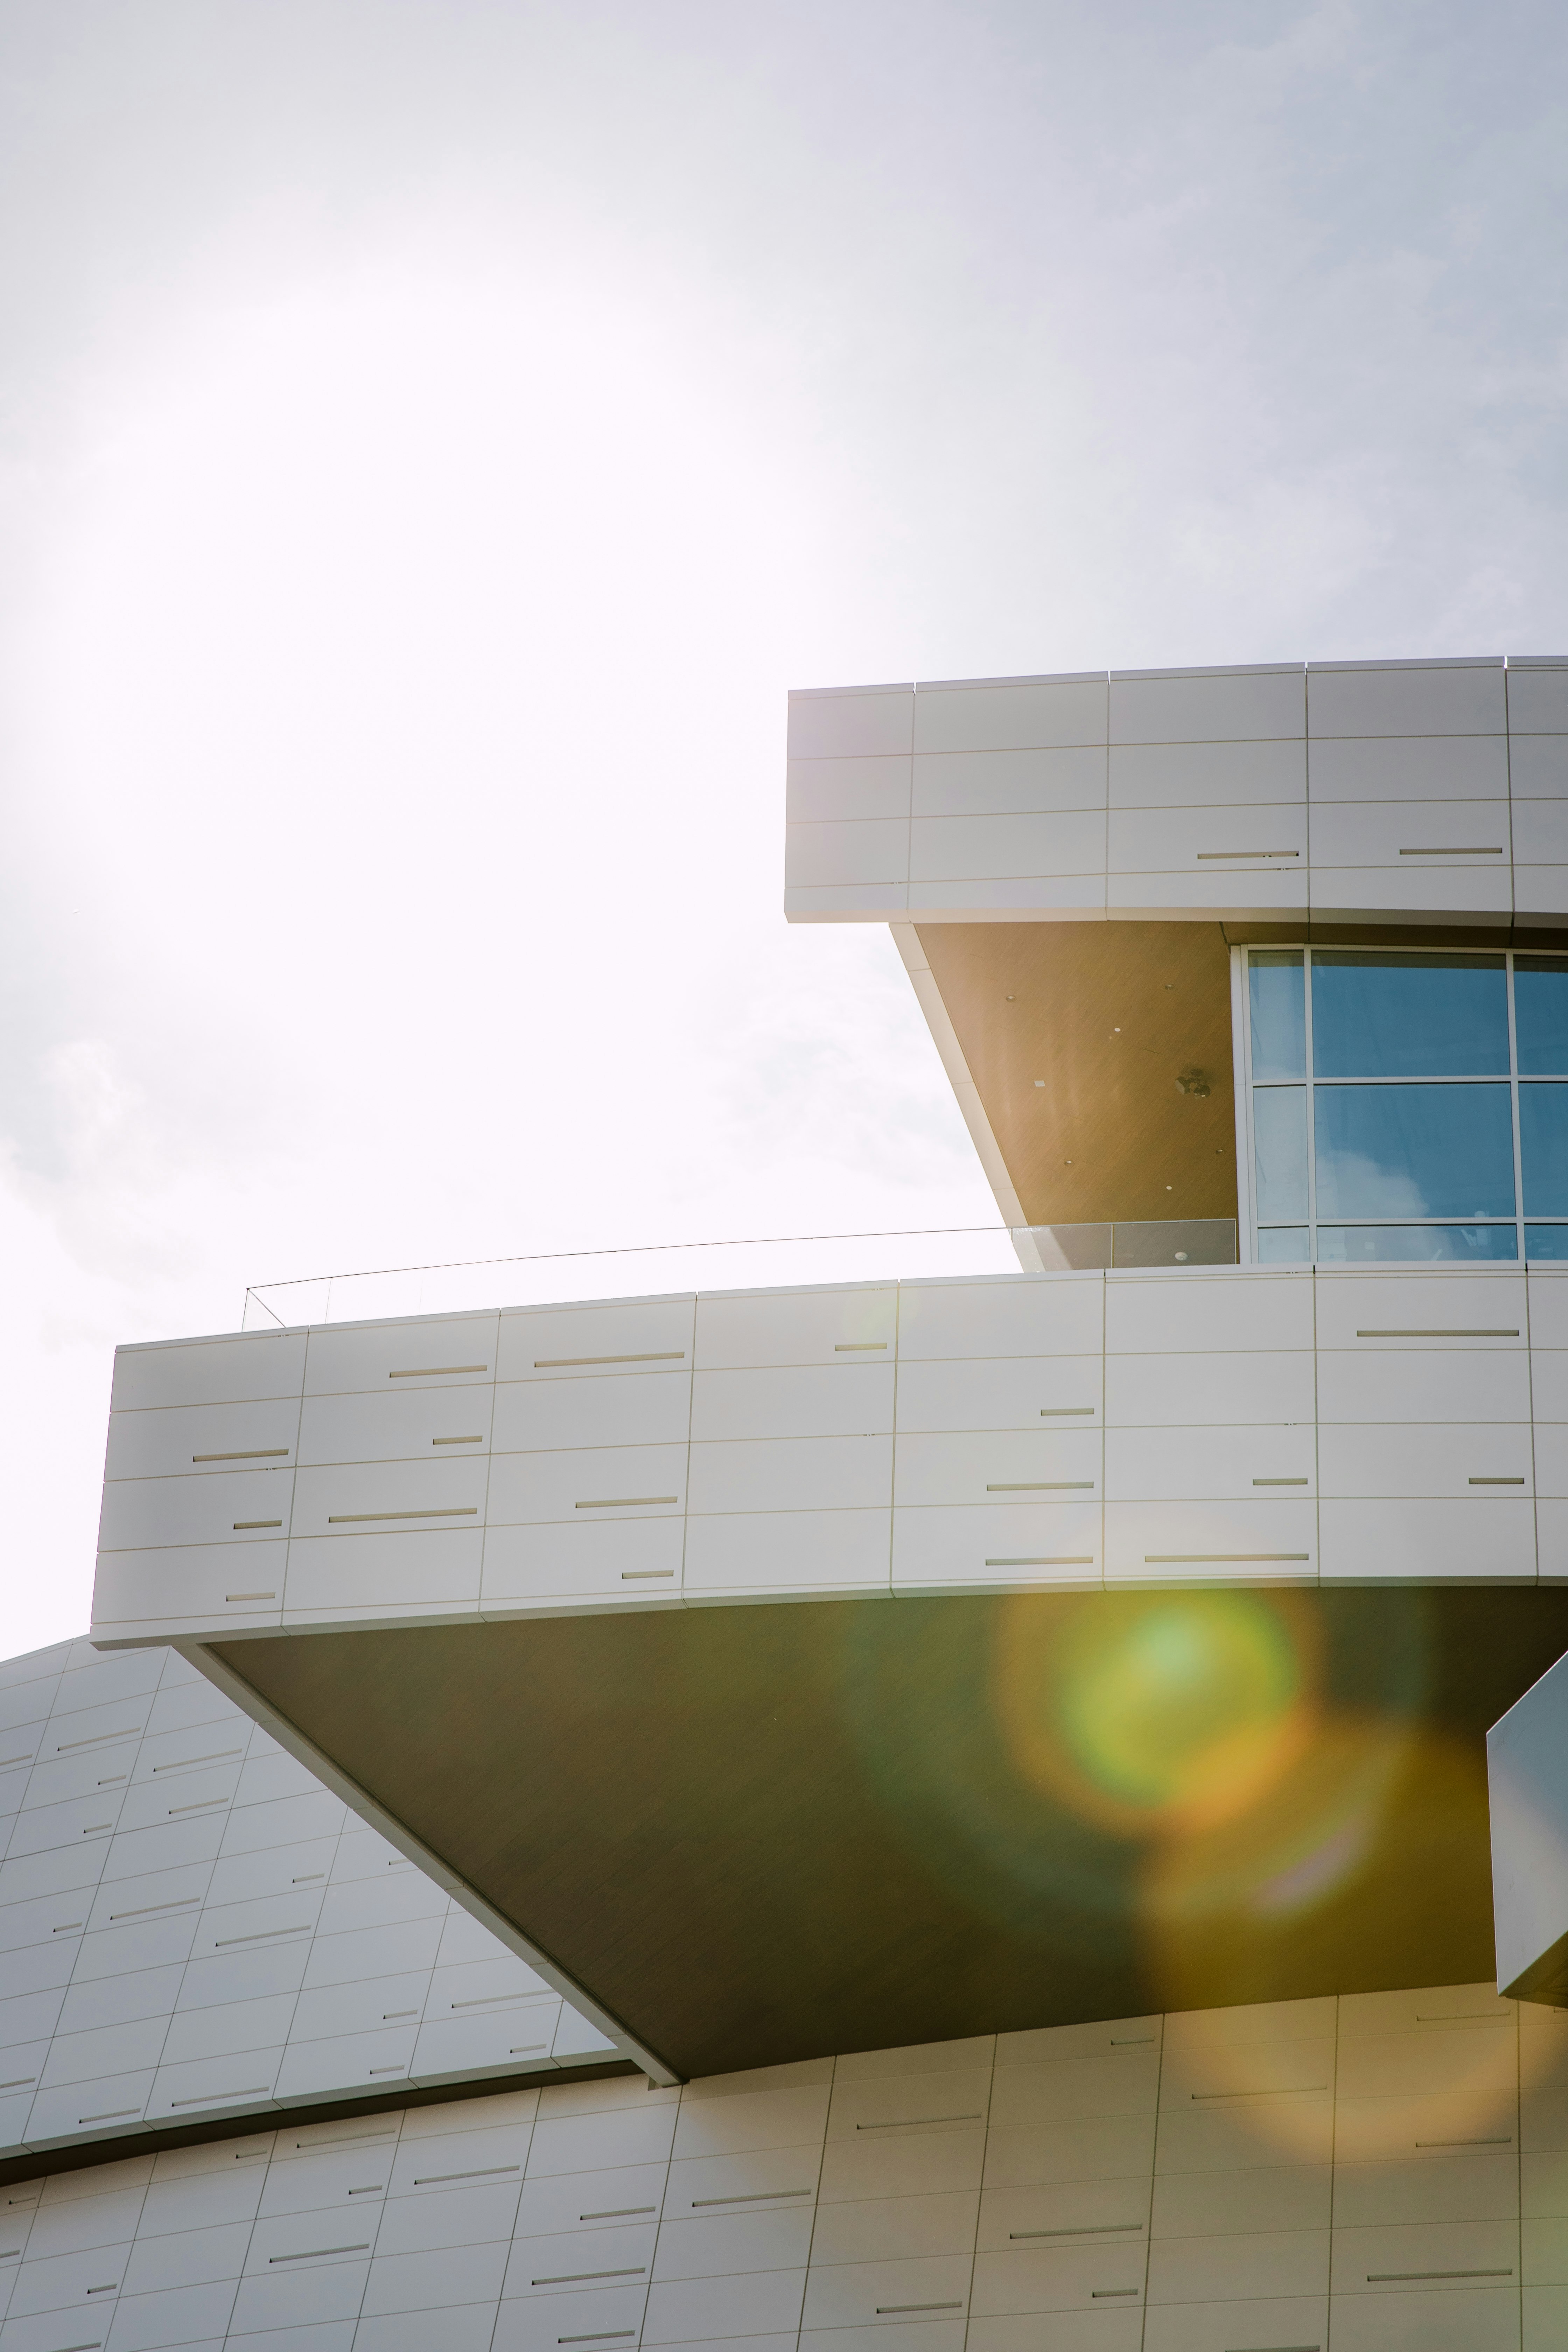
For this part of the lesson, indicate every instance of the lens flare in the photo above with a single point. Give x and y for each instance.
(1161, 1714)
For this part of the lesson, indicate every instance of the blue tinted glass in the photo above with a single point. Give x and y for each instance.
(1540, 1011)
(1414, 1152)
(1546, 1241)
(1279, 1008)
(1410, 1016)
(1279, 1142)
(1413, 1245)
(1287, 1246)
(1544, 1148)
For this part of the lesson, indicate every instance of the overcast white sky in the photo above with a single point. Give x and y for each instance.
(435, 435)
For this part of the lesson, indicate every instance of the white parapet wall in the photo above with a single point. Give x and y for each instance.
(1377, 2172)
(1051, 1431)
(192, 1927)
(1399, 791)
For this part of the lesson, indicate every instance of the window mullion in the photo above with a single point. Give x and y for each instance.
(1311, 1113)
(1513, 1091)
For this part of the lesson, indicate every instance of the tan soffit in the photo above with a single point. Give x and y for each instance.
(1076, 1037)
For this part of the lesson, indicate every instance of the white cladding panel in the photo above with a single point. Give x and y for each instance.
(191, 1925)
(1345, 791)
(1335, 1423)
(1229, 2177)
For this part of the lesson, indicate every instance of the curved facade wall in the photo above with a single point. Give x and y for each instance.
(192, 1927)
(1380, 2173)
(1065, 1429)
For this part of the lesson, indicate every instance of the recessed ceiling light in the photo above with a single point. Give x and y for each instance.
(1039, 1082)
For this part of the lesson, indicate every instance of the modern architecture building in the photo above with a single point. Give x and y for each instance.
(893, 1815)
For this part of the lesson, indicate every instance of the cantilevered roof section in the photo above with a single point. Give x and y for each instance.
(1066, 861)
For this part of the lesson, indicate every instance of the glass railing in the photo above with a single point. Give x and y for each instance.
(774, 1262)
(1150, 1240)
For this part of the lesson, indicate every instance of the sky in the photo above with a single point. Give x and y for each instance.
(434, 435)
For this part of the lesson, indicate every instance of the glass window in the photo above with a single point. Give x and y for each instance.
(1543, 1148)
(1414, 1151)
(1421, 1245)
(1279, 1140)
(1408, 1107)
(1409, 1016)
(1278, 989)
(1541, 1012)
(1285, 1245)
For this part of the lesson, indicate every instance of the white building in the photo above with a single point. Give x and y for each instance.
(929, 1816)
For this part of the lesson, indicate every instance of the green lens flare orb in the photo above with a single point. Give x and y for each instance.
(1149, 1707)
(1163, 1711)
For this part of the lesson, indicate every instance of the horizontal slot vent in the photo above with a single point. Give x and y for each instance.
(215, 2098)
(644, 1575)
(1215, 1558)
(1061, 1412)
(480, 2172)
(146, 1910)
(318, 2253)
(1399, 2278)
(1205, 856)
(1447, 849)
(577, 2278)
(261, 1936)
(360, 1518)
(1037, 1486)
(757, 2196)
(914, 2123)
(1431, 1331)
(436, 1372)
(97, 1739)
(623, 1502)
(858, 1346)
(1506, 2141)
(1088, 2229)
(250, 1596)
(255, 1454)
(647, 1356)
(1497, 1482)
(1274, 2091)
(184, 1763)
(1062, 1559)
(1280, 1482)
(239, 1524)
(457, 1441)
(617, 2213)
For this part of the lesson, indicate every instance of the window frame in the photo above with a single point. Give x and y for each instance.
(1246, 1139)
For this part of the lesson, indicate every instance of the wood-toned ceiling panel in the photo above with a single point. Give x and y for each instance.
(1103, 1055)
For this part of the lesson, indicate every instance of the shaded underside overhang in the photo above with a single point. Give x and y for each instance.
(756, 1834)
(1100, 1052)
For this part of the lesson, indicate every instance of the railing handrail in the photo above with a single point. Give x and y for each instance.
(614, 1249)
